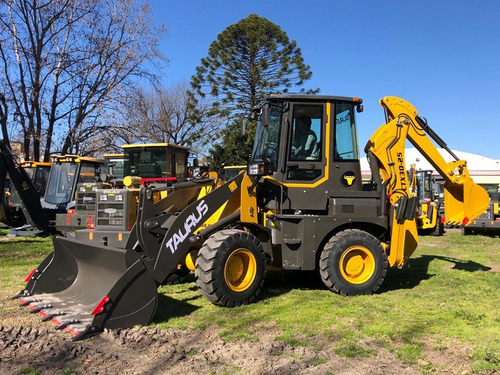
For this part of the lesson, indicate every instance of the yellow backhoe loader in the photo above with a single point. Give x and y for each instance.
(300, 205)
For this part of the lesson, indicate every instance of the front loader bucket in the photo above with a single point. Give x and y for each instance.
(464, 202)
(85, 289)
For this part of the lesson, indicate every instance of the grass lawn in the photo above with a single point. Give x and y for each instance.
(446, 301)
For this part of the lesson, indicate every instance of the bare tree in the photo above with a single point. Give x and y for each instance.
(169, 115)
(65, 62)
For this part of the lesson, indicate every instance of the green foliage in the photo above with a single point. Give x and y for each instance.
(235, 148)
(248, 60)
(351, 350)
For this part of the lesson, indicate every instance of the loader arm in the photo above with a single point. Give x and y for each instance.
(464, 200)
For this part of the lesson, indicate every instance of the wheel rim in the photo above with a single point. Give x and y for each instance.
(240, 270)
(357, 264)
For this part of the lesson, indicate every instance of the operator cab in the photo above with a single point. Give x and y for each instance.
(156, 161)
(114, 166)
(66, 172)
(308, 146)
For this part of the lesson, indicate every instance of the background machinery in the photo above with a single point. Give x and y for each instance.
(12, 206)
(158, 164)
(114, 166)
(286, 211)
(429, 208)
(66, 172)
(489, 222)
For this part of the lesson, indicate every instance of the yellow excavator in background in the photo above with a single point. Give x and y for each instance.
(423, 185)
(289, 210)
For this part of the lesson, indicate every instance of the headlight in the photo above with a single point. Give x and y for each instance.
(258, 168)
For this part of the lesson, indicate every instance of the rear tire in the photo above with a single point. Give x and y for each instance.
(353, 262)
(231, 268)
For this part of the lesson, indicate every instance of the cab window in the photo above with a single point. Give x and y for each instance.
(306, 133)
(305, 153)
(180, 164)
(346, 147)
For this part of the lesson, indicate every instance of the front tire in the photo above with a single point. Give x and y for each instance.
(353, 262)
(230, 268)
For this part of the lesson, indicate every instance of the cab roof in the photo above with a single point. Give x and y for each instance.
(113, 155)
(158, 145)
(313, 98)
(75, 159)
(34, 164)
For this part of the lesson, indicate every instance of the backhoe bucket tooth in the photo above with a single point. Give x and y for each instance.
(92, 288)
(464, 202)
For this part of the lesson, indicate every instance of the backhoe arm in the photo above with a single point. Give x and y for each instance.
(464, 200)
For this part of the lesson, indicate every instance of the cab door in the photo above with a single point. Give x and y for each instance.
(306, 156)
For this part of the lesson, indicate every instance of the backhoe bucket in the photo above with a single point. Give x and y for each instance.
(464, 202)
(85, 289)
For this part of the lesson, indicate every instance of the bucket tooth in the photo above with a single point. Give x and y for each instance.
(52, 316)
(63, 325)
(36, 310)
(21, 294)
(89, 331)
(28, 302)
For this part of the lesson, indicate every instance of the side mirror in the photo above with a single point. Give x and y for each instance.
(264, 115)
(359, 108)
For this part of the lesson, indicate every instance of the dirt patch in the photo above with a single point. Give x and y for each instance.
(494, 268)
(153, 351)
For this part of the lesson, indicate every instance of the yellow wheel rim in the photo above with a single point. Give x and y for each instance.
(357, 264)
(240, 270)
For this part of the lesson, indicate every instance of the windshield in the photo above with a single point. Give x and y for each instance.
(232, 171)
(118, 166)
(30, 172)
(148, 162)
(60, 185)
(40, 179)
(424, 184)
(267, 138)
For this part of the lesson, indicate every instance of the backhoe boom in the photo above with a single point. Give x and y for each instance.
(464, 200)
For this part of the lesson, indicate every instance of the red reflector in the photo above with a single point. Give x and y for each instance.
(29, 276)
(443, 219)
(90, 224)
(100, 306)
(68, 218)
(465, 221)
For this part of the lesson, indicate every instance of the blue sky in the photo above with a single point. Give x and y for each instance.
(442, 56)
